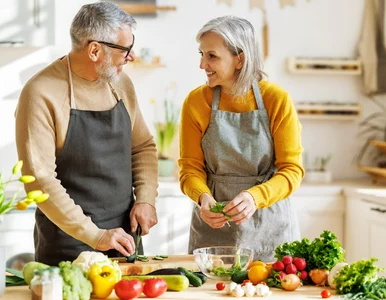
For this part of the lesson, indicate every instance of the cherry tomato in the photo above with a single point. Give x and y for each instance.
(325, 294)
(154, 287)
(220, 286)
(128, 289)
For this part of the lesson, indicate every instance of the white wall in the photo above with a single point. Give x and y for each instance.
(319, 28)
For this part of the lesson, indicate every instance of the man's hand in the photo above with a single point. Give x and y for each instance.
(241, 208)
(117, 239)
(145, 215)
(214, 220)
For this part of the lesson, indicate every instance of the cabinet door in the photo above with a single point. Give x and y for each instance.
(377, 237)
(318, 213)
(171, 234)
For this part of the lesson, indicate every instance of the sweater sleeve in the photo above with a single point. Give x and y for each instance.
(36, 140)
(286, 133)
(191, 162)
(144, 160)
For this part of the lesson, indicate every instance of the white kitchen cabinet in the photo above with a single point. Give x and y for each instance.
(320, 208)
(365, 228)
(171, 234)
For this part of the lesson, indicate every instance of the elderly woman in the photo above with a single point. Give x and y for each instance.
(240, 145)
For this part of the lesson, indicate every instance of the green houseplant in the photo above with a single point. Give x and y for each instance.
(373, 132)
(166, 126)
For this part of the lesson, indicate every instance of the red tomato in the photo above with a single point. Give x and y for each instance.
(325, 294)
(220, 286)
(128, 289)
(154, 287)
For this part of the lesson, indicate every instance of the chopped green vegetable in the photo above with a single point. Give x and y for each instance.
(219, 208)
(355, 277)
(237, 267)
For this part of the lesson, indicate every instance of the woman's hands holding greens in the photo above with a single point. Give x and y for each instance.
(241, 208)
(213, 219)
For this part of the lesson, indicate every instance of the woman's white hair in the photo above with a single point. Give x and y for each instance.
(99, 21)
(240, 37)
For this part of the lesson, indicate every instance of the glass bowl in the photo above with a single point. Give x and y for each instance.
(218, 262)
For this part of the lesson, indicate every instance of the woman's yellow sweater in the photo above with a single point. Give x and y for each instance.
(284, 126)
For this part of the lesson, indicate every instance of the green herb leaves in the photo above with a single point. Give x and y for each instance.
(219, 208)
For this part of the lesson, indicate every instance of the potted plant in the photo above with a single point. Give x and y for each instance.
(15, 202)
(373, 131)
(318, 172)
(166, 127)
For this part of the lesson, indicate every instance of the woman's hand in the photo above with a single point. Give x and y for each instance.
(241, 208)
(214, 220)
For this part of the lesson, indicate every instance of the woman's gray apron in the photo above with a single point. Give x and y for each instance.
(239, 154)
(95, 169)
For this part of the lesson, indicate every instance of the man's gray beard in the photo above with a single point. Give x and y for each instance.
(106, 71)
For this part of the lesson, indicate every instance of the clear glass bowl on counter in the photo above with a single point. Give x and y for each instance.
(219, 262)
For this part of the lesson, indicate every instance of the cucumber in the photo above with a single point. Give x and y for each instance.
(167, 271)
(174, 282)
(240, 276)
(202, 276)
(193, 279)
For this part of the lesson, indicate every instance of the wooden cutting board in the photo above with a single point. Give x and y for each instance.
(141, 268)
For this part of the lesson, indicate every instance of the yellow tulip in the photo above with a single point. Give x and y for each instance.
(21, 205)
(16, 169)
(34, 194)
(42, 198)
(27, 179)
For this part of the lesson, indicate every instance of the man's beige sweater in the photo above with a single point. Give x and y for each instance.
(42, 119)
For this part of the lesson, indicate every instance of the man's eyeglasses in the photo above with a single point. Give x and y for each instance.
(115, 46)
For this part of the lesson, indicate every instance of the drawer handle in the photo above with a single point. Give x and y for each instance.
(378, 209)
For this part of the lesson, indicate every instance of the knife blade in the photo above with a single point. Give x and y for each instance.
(137, 241)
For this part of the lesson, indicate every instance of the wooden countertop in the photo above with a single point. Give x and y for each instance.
(206, 291)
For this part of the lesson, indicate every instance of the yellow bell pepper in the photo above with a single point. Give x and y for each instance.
(103, 280)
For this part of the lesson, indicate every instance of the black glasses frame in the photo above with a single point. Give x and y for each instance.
(115, 46)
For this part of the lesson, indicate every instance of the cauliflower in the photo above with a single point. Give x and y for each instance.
(76, 286)
(87, 259)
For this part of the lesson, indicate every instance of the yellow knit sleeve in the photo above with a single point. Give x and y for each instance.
(286, 132)
(192, 166)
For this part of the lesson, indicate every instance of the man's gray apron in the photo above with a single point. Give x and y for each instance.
(239, 154)
(95, 169)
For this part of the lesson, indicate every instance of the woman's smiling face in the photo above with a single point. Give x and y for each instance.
(220, 65)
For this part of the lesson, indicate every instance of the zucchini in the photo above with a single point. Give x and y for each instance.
(193, 279)
(174, 282)
(167, 271)
(202, 276)
(240, 276)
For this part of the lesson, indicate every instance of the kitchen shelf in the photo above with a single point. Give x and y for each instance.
(324, 66)
(377, 174)
(144, 8)
(328, 111)
(381, 145)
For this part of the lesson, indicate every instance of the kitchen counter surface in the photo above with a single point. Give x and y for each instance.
(206, 291)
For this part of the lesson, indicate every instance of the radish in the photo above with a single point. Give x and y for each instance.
(282, 274)
(291, 269)
(287, 259)
(278, 266)
(300, 263)
(303, 275)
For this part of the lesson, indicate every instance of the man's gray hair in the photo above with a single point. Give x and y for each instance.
(99, 21)
(239, 36)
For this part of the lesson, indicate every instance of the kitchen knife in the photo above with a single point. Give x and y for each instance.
(132, 258)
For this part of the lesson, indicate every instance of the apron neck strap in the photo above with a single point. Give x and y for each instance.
(256, 92)
(72, 98)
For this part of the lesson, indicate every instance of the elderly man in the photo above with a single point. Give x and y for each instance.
(80, 131)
